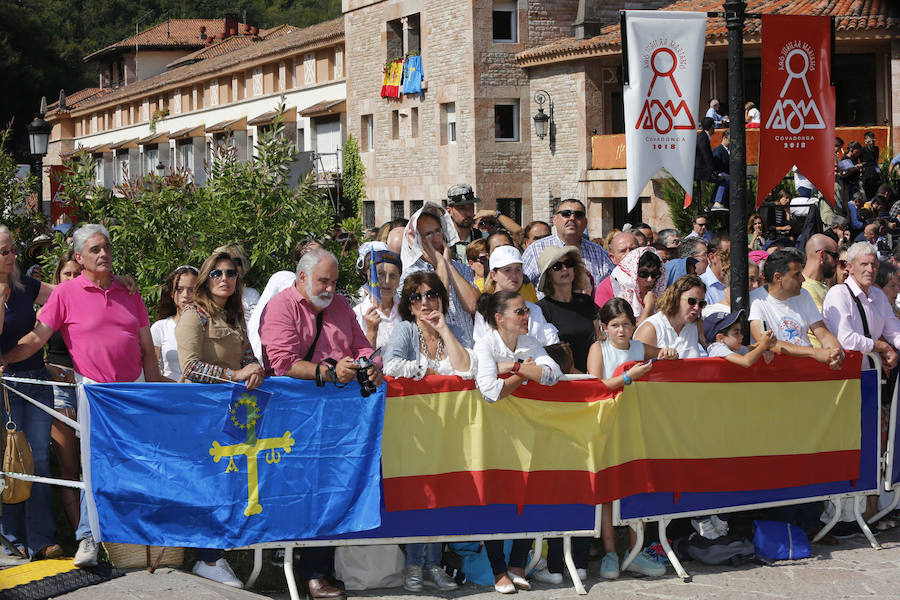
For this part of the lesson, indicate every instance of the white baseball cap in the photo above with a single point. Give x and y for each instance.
(505, 255)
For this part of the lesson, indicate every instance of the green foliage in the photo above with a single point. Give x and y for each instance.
(683, 218)
(158, 223)
(14, 192)
(354, 175)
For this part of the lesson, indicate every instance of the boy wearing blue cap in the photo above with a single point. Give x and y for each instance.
(724, 335)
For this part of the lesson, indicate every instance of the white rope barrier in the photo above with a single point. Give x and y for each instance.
(56, 415)
(36, 479)
(38, 381)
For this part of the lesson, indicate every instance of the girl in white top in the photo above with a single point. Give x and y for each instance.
(509, 349)
(618, 322)
(506, 275)
(677, 325)
(377, 319)
(176, 293)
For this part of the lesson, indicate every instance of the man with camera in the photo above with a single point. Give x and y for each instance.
(309, 331)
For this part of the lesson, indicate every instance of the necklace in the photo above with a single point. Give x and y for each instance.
(432, 363)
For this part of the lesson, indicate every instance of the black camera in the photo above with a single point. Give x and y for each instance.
(365, 364)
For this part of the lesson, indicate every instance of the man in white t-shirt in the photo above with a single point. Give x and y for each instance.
(789, 311)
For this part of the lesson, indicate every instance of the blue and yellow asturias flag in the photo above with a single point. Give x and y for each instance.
(412, 75)
(372, 284)
(162, 471)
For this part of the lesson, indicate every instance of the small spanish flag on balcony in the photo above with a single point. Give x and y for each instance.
(393, 76)
(702, 425)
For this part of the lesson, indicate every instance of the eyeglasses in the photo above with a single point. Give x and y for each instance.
(695, 302)
(419, 297)
(700, 224)
(14, 250)
(565, 214)
(521, 312)
(842, 264)
(482, 259)
(219, 273)
(563, 264)
(184, 268)
(643, 274)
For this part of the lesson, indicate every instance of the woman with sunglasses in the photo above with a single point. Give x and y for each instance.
(213, 348)
(249, 295)
(29, 525)
(639, 279)
(176, 293)
(424, 343)
(678, 323)
(507, 348)
(572, 313)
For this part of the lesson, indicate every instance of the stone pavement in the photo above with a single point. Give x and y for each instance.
(852, 569)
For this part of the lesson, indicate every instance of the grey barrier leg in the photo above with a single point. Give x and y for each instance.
(887, 509)
(862, 522)
(570, 563)
(638, 544)
(289, 572)
(257, 567)
(664, 541)
(834, 519)
(535, 556)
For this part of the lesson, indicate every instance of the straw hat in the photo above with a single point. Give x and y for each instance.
(552, 255)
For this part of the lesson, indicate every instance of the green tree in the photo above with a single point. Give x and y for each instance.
(354, 175)
(24, 223)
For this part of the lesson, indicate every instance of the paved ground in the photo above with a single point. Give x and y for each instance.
(852, 569)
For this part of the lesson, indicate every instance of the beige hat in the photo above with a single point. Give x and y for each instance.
(552, 255)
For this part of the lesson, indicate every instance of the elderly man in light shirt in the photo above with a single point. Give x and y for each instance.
(842, 313)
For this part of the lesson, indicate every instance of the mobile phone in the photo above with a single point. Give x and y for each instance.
(765, 327)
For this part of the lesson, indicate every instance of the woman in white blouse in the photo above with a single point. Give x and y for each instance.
(423, 343)
(177, 291)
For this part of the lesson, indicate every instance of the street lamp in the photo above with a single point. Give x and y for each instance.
(38, 140)
(543, 122)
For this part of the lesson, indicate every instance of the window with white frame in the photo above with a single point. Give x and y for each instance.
(301, 139)
(151, 159)
(506, 121)
(448, 123)
(367, 129)
(186, 154)
(505, 17)
(257, 81)
(214, 92)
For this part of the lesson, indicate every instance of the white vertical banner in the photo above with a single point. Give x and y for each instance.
(661, 95)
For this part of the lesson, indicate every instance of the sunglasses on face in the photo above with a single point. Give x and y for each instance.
(695, 302)
(563, 264)
(419, 297)
(521, 312)
(565, 214)
(701, 224)
(482, 259)
(13, 250)
(644, 274)
(219, 273)
(842, 264)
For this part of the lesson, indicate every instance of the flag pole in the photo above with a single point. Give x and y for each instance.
(740, 285)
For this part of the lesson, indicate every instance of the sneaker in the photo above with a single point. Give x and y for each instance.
(582, 573)
(659, 553)
(220, 572)
(609, 566)
(437, 578)
(545, 576)
(646, 564)
(86, 556)
(718, 207)
(413, 581)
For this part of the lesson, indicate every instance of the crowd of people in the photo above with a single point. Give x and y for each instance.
(456, 292)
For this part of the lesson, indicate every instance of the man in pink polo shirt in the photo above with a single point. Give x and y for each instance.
(310, 332)
(106, 329)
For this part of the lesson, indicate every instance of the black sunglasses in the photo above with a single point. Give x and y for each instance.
(694, 302)
(644, 274)
(565, 214)
(418, 297)
(482, 259)
(218, 273)
(563, 264)
(519, 312)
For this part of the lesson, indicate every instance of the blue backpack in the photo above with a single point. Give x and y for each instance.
(776, 540)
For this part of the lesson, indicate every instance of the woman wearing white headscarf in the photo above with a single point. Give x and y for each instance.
(639, 279)
(377, 317)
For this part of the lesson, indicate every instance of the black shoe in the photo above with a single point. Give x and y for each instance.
(846, 529)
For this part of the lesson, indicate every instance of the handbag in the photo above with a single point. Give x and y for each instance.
(17, 458)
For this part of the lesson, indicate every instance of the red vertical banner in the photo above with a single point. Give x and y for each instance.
(57, 208)
(797, 102)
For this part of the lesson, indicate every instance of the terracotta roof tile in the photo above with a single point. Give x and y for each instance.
(216, 49)
(850, 15)
(76, 99)
(178, 33)
(292, 39)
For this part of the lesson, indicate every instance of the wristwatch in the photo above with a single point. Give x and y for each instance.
(516, 366)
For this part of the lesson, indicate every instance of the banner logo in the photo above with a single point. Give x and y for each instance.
(796, 60)
(662, 115)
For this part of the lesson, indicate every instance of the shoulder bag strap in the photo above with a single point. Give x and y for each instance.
(862, 313)
(312, 348)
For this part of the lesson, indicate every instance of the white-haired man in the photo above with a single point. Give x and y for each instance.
(106, 329)
(309, 331)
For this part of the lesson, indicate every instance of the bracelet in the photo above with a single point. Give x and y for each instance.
(516, 366)
(626, 379)
(320, 382)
